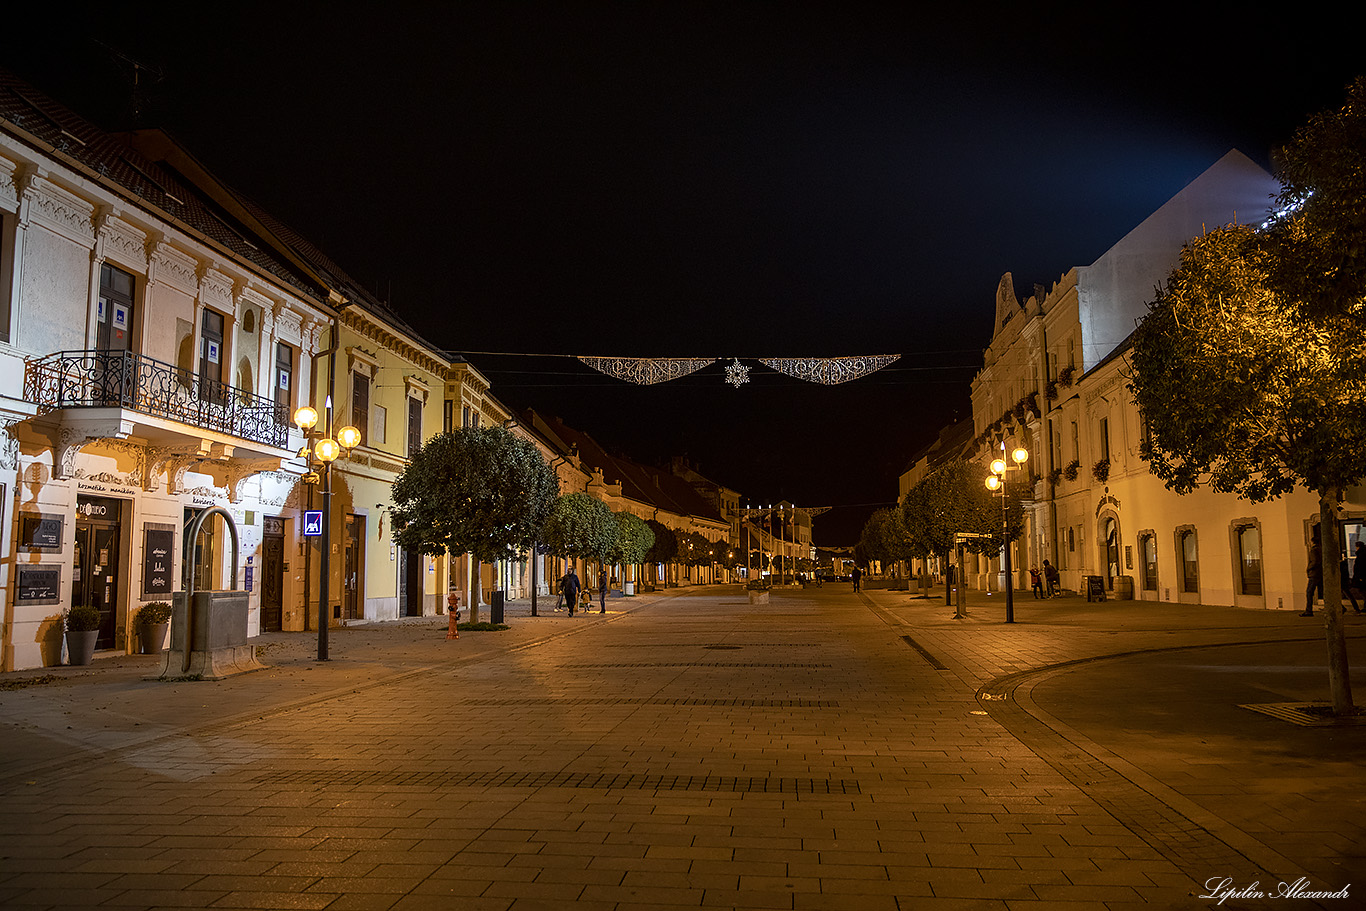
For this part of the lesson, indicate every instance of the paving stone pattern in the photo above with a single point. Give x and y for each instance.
(824, 751)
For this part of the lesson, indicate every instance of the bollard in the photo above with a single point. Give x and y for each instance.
(453, 608)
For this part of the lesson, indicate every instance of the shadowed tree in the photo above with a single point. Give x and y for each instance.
(953, 500)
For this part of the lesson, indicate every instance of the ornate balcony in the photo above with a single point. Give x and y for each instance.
(122, 379)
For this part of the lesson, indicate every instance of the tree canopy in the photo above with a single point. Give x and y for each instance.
(581, 526)
(1248, 369)
(481, 491)
(665, 548)
(634, 539)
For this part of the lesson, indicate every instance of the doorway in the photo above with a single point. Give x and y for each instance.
(353, 580)
(410, 583)
(95, 573)
(272, 574)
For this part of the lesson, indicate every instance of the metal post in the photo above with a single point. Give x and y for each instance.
(1010, 586)
(323, 568)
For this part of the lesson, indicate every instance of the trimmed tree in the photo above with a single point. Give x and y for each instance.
(634, 540)
(665, 548)
(479, 491)
(951, 500)
(580, 526)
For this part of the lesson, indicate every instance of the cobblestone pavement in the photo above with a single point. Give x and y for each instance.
(824, 751)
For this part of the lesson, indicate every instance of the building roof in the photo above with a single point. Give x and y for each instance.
(109, 160)
(654, 487)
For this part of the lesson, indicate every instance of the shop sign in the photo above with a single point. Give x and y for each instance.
(39, 583)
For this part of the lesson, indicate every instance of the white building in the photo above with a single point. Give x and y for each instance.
(151, 345)
(1054, 381)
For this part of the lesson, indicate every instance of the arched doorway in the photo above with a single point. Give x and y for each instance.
(1109, 543)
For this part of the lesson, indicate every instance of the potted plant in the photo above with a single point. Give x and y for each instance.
(154, 622)
(82, 629)
(1101, 470)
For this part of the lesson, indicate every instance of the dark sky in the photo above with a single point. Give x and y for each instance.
(707, 180)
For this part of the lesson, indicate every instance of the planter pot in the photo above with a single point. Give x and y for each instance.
(152, 637)
(758, 597)
(80, 646)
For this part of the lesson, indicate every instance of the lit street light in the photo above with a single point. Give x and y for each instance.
(996, 483)
(319, 459)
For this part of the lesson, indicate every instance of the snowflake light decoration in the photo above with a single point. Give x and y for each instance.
(737, 374)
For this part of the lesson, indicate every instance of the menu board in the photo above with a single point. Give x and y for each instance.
(158, 551)
(39, 583)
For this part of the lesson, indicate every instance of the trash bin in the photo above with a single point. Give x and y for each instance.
(496, 607)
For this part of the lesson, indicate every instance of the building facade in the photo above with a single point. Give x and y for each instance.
(1055, 382)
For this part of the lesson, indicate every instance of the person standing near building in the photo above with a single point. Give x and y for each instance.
(1050, 575)
(1314, 570)
(856, 575)
(602, 591)
(1036, 582)
(571, 586)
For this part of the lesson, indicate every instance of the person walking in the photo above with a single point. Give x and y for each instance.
(1314, 570)
(572, 587)
(1036, 582)
(1050, 575)
(602, 591)
(856, 575)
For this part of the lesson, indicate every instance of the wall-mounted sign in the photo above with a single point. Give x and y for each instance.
(40, 531)
(211, 349)
(39, 583)
(272, 525)
(313, 523)
(158, 548)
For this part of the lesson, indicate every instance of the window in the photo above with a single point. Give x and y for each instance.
(114, 311)
(1148, 546)
(1076, 444)
(1105, 439)
(379, 425)
(1250, 560)
(360, 405)
(284, 370)
(1190, 566)
(1072, 353)
(414, 425)
(211, 386)
(8, 245)
(465, 417)
(447, 416)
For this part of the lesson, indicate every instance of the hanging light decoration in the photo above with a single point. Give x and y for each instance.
(647, 370)
(737, 374)
(829, 370)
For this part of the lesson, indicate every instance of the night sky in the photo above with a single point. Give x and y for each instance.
(706, 180)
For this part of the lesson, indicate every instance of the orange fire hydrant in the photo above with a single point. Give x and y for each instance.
(453, 609)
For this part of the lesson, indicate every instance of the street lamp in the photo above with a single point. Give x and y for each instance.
(319, 459)
(996, 483)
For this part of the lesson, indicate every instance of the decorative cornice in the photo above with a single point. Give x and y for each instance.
(357, 322)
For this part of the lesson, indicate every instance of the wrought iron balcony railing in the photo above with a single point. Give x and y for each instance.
(122, 379)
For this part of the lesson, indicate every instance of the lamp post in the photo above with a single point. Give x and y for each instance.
(996, 483)
(319, 458)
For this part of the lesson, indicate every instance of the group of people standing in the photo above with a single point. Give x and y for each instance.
(571, 589)
(1352, 583)
(1039, 577)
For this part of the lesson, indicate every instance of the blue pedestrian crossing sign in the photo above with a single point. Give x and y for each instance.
(313, 523)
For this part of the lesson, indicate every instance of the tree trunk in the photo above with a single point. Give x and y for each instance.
(1339, 677)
